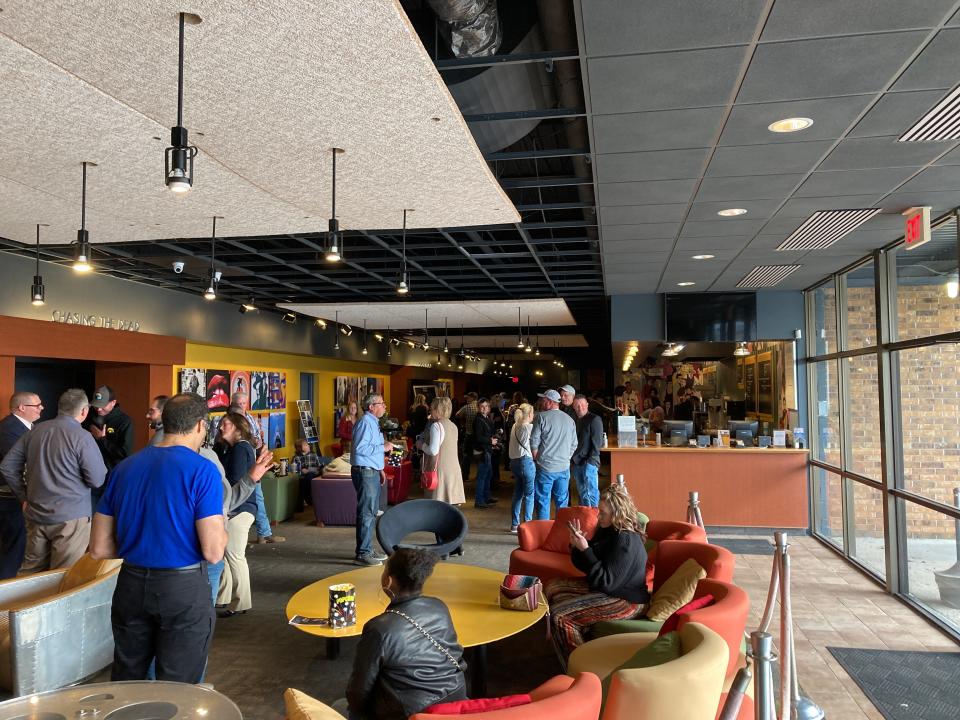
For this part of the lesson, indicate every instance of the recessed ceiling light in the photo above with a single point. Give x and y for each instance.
(685, 284)
(704, 257)
(789, 125)
(732, 212)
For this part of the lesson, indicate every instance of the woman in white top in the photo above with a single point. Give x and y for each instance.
(440, 437)
(521, 463)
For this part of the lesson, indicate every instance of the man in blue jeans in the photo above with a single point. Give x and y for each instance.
(586, 458)
(553, 441)
(366, 471)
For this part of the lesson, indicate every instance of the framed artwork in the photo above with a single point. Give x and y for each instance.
(193, 380)
(277, 434)
(372, 385)
(218, 389)
(240, 383)
(276, 390)
(258, 390)
(346, 389)
(429, 391)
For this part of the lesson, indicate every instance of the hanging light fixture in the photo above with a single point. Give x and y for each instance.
(741, 350)
(519, 330)
(178, 158)
(249, 306)
(403, 286)
(446, 344)
(81, 261)
(334, 249)
(461, 353)
(426, 329)
(290, 318)
(953, 286)
(364, 351)
(536, 350)
(211, 291)
(529, 345)
(336, 335)
(389, 343)
(37, 291)
(321, 323)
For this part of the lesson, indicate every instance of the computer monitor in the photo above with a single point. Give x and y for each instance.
(678, 427)
(745, 430)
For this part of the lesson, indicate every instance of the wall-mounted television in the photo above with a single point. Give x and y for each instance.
(710, 317)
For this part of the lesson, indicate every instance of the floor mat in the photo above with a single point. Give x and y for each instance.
(906, 685)
(744, 546)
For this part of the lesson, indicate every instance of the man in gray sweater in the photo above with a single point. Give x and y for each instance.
(62, 463)
(553, 441)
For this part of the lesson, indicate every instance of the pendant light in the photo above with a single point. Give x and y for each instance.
(741, 350)
(519, 330)
(334, 249)
(426, 329)
(446, 345)
(81, 261)
(178, 158)
(211, 291)
(37, 291)
(389, 345)
(336, 335)
(529, 345)
(403, 286)
(536, 350)
(461, 353)
(249, 306)
(364, 351)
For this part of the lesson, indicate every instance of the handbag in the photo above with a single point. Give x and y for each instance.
(430, 464)
(521, 592)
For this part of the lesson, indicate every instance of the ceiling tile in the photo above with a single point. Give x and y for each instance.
(637, 214)
(721, 228)
(665, 165)
(939, 201)
(938, 177)
(653, 248)
(612, 27)
(748, 124)
(895, 112)
(761, 187)
(881, 152)
(827, 67)
(755, 209)
(861, 182)
(792, 19)
(652, 231)
(663, 81)
(763, 159)
(645, 193)
(938, 65)
(782, 226)
(805, 207)
(669, 129)
(951, 158)
(697, 245)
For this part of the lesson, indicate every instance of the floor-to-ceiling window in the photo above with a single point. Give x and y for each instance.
(884, 380)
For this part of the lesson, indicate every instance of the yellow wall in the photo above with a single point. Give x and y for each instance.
(323, 369)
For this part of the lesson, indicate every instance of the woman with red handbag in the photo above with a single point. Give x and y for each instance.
(440, 474)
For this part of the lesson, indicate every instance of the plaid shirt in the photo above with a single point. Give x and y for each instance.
(309, 460)
(468, 413)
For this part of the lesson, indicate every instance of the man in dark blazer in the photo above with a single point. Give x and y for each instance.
(25, 409)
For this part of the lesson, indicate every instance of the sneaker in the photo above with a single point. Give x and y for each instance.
(513, 529)
(370, 559)
(493, 501)
(271, 539)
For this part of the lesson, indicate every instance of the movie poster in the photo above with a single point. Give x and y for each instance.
(258, 390)
(213, 426)
(276, 390)
(193, 380)
(278, 430)
(372, 385)
(218, 389)
(240, 383)
(263, 420)
(346, 390)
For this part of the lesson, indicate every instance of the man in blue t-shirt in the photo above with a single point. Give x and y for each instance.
(162, 514)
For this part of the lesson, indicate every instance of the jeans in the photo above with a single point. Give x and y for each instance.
(13, 537)
(262, 521)
(547, 485)
(366, 481)
(588, 487)
(524, 472)
(214, 572)
(484, 473)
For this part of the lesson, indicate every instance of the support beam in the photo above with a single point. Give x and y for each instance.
(412, 263)
(545, 181)
(469, 257)
(512, 59)
(541, 114)
(535, 154)
(526, 239)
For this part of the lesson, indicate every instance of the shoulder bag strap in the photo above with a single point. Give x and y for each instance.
(428, 636)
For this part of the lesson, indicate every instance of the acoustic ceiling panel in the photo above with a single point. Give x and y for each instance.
(792, 19)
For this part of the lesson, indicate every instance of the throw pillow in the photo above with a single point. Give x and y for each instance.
(673, 622)
(677, 591)
(300, 706)
(651, 548)
(660, 651)
(479, 705)
(558, 540)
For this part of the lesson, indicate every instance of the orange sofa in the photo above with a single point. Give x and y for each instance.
(532, 559)
(559, 698)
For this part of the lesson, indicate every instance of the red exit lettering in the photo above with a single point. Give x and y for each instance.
(914, 228)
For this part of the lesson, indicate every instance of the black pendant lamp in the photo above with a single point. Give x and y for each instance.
(81, 259)
(403, 285)
(462, 352)
(536, 350)
(336, 335)
(211, 292)
(334, 240)
(529, 346)
(446, 344)
(364, 351)
(37, 291)
(178, 158)
(519, 330)
(426, 329)
(389, 343)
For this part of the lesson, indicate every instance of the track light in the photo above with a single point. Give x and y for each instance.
(81, 260)
(334, 239)
(249, 306)
(321, 323)
(37, 291)
(346, 330)
(178, 158)
(290, 318)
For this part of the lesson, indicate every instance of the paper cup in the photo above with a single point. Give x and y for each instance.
(343, 605)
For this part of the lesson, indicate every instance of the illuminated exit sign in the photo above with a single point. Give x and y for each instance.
(917, 230)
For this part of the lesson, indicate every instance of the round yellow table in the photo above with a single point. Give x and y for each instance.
(471, 594)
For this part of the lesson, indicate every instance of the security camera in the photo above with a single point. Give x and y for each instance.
(178, 267)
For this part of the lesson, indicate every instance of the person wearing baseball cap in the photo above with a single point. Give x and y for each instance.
(112, 428)
(553, 441)
(567, 394)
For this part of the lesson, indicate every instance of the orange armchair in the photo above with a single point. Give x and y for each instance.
(660, 530)
(560, 698)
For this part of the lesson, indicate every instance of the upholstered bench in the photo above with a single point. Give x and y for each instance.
(335, 500)
(280, 495)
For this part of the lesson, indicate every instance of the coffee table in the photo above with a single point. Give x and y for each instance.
(471, 594)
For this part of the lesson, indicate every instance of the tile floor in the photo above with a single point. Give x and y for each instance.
(834, 604)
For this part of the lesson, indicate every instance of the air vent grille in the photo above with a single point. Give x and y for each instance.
(766, 276)
(942, 122)
(824, 228)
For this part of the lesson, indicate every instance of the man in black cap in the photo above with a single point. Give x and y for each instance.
(112, 428)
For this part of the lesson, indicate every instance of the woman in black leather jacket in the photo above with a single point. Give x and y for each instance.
(408, 657)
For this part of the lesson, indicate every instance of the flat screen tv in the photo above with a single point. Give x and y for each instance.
(710, 317)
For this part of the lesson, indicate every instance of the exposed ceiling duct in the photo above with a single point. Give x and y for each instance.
(472, 27)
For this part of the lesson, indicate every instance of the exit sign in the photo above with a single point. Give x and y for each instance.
(917, 230)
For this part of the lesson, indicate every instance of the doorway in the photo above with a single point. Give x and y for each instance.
(49, 377)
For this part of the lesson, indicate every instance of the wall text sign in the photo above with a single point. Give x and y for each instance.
(94, 320)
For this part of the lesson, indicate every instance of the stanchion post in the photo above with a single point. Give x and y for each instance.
(761, 650)
(694, 517)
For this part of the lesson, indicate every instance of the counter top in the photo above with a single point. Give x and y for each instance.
(713, 450)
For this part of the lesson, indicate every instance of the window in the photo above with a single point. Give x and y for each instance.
(867, 543)
(863, 412)
(931, 550)
(827, 506)
(825, 319)
(860, 308)
(827, 413)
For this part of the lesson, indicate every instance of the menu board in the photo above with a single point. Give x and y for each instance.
(765, 384)
(750, 384)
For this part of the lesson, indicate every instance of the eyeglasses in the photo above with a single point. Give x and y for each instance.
(380, 403)
(32, 404)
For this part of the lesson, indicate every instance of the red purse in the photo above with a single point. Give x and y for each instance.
(430, 466)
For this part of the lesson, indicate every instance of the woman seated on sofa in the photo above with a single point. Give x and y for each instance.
(408, 657)
(614, 562)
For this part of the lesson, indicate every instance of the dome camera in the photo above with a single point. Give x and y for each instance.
(178, 267)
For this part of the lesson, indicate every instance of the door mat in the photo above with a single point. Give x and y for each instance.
(906, 685)
(744, 546)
